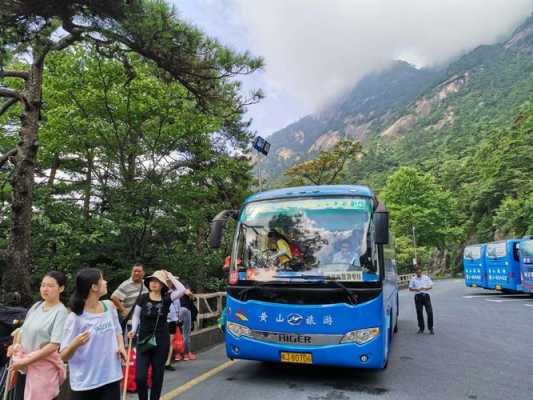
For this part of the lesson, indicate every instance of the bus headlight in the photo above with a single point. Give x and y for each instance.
(360, 336)
(238, 330)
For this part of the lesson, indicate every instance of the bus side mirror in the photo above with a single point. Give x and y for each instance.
(381, 225)
(217, 227)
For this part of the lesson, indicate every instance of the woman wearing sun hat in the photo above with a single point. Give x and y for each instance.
(150, 322)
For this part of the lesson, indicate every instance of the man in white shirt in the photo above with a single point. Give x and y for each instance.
(421, 284)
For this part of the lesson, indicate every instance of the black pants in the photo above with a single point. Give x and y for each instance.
(423, 300)
(156, 358)
(19, 387)
(111, 391)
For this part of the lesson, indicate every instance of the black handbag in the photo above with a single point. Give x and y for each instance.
(147, 344)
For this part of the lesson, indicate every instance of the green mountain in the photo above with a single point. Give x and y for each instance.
(373, 104)
(405, 115)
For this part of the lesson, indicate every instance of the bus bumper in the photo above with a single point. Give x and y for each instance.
(369, 355)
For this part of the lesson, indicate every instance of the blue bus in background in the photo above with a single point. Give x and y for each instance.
(503, 265)
(526, 264)
(312, 277)
(475, 267)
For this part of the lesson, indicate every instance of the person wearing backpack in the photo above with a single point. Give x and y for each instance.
(93, 343)
(35, 349)
(150, 323)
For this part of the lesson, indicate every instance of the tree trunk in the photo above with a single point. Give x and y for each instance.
(18, 258)
(88, 186)
(53, 171)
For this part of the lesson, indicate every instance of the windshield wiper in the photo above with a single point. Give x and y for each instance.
(256, 285)
(352, 298)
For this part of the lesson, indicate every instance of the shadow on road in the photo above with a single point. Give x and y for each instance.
(297, 377)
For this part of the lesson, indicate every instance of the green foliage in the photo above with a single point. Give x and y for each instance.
(499, 180)
(140, 170)
(137, 135)
(328, 167)
(416, 201)
(514, 217)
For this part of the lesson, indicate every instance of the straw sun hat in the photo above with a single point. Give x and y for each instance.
(160, 276)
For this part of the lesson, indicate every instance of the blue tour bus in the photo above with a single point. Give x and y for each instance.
(475, 267)
(526, 264)
(312, 277)
(503, 265)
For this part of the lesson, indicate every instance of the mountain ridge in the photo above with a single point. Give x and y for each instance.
(402, 100)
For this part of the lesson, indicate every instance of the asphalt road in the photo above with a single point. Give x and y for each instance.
(482, 349)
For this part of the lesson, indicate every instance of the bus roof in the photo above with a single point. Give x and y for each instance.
(312, 191)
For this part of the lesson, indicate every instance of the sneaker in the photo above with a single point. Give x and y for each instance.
(178, 357)
(170, 368)
(192, 356)
(431, 332)
(186, 357)
(420, 331)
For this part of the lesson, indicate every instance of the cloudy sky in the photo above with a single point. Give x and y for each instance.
(314, 49)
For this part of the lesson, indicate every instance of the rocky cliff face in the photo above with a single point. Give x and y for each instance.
(522, 38)
(371, 106)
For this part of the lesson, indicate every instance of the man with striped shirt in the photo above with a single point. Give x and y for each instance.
(126, 294)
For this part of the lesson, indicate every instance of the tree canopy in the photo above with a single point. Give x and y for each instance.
(328, 168)
(107, 144)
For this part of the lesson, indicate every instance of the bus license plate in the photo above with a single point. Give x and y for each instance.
(298, 358)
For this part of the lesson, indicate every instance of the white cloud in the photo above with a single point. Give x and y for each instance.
(316, 48)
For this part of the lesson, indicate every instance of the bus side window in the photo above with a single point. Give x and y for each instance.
(516, 251)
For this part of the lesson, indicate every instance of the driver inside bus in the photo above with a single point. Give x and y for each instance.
(345, 255)
(280, 245)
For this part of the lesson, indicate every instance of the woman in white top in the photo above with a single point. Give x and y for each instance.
(36, 346)
(93, 343)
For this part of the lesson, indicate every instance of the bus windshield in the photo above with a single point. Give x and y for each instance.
(473, 252)
(315, 238)
(496, 250)
(526, 248)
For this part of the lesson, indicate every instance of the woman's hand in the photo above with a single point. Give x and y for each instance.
(19, 364)
(122, 354)
(14, 348)
(82, 338)
(131, 335)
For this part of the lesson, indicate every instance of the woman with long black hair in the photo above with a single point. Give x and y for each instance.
(150, 320)
(93, 343)
(36, 346)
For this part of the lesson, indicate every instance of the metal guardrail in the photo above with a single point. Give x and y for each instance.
(210, 305)
(403, 280)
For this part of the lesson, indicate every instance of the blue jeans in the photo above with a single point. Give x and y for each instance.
(184, 315)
